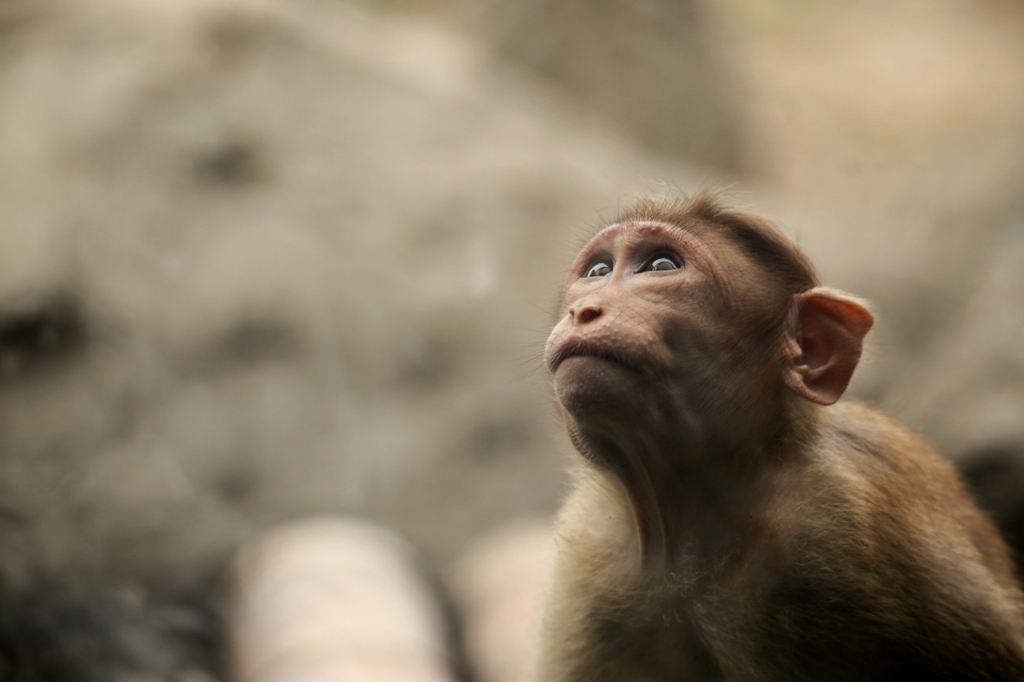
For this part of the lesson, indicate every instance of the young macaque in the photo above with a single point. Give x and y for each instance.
(725, 524)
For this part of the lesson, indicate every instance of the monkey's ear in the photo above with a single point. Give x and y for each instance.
(824, 343)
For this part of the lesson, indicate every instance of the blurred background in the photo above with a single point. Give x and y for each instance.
(261, 259)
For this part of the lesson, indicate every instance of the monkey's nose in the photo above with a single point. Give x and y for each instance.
(585, 313)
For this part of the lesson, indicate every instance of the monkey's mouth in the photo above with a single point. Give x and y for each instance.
(582, 349)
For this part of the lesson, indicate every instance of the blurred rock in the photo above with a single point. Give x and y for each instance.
(654, 67)
(253, 265)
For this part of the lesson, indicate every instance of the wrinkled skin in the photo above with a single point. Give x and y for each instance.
(661, 334)
(642, 357)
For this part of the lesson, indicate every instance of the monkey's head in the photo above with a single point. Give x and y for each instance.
(692, 322)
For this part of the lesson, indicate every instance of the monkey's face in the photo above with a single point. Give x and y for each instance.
(660, 327)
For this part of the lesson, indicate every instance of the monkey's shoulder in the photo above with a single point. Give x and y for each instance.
(874, 475)
(896, 556)
(856, 440)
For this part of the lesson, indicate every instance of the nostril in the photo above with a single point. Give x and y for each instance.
(588, 314)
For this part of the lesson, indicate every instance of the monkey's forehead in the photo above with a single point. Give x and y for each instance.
(635, 230)
(641, 226)
(692, 229)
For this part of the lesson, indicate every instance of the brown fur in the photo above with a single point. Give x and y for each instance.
(724, 525)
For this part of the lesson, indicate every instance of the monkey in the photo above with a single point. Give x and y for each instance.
(727, 519)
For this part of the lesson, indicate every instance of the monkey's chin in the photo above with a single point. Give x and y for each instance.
(592, 386)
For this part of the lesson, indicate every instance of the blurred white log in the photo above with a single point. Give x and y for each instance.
(334, 600)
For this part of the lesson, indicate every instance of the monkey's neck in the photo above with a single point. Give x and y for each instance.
(692, 499)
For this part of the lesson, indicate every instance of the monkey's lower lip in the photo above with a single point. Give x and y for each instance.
(579, 351)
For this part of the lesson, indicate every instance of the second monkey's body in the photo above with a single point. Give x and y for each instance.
(725, 524)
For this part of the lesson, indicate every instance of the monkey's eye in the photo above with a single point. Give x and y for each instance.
(659, 263)
(599, 269)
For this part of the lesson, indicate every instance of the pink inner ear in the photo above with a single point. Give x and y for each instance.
(826, 338)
